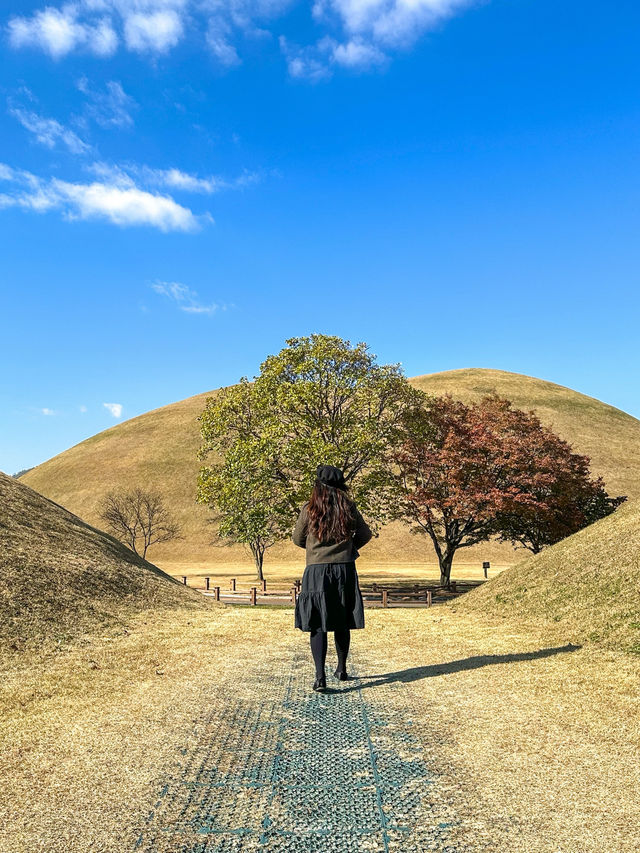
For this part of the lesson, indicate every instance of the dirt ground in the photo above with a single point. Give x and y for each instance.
(534, 740)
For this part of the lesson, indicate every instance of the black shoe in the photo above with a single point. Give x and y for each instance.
(320, 684)
(341, 675)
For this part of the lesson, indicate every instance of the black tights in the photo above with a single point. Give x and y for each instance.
(319, 649)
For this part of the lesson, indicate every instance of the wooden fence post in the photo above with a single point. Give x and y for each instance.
(485, 567)
(184, 579)
(216, 593)
(374, 587)
(207, 582)
(294, 594)
(252, 596)
(232, 584)
(429, 598)
(384, 597)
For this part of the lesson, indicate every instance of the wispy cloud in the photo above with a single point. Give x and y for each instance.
(318, 61)
(354, 34)
(82, 409)
(109, 108)
(120, 205)
(114, 409)
(128, 174)
(390, 23)
(48, 412)
(48, 131)
(184, 297)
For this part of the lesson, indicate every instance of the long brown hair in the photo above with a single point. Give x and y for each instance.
(331, 513)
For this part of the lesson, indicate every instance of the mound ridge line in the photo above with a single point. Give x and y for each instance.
(159, 448)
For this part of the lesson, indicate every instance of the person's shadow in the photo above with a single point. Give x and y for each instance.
(418, 672)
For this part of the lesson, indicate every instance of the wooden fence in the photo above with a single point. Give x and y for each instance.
(253, 594)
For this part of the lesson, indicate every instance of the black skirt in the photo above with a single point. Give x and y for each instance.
(330, 598)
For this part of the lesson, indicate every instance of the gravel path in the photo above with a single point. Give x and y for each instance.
(280, 768)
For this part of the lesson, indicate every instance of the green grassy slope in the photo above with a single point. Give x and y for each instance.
(159, 448)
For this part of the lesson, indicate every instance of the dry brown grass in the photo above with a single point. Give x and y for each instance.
(282, 575)
(88, 734)
(539, 750)
(534, 741)
(588, 585)
(60, 578)
(159, 449)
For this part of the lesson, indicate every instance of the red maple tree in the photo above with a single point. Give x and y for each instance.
(471, 472)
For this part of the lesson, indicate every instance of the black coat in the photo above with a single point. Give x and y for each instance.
(330, 552)
(330, 598)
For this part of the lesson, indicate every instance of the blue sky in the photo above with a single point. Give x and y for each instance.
(184, 184)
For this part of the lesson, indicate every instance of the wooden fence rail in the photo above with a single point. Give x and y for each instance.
(256, 593)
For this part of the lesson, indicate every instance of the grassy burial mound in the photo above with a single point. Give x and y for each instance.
(609, 436)
(159, 448)
(586, 587)
(59, 577)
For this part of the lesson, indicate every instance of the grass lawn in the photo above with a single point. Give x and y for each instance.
(282, 575)
(536, 750)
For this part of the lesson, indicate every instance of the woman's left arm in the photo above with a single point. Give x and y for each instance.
(362, 533)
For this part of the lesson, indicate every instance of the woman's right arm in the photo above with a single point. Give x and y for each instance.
(362, 532)
(300, 530)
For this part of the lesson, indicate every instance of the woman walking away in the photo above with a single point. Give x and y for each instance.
(331, 530)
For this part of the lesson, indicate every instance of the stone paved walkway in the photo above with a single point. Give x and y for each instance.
(280, 768)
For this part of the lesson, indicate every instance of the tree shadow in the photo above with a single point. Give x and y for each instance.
(476, 662)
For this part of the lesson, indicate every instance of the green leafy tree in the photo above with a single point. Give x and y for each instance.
(251, 506)
(318, 401)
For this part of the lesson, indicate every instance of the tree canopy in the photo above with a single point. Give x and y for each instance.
(318, 401)
(468, 473)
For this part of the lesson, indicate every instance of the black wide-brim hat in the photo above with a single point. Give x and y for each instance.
(330, 476)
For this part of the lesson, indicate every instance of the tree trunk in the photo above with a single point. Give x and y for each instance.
(258, 556)
(446, 561)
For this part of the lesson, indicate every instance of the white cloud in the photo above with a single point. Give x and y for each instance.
(356, 54)
(186, 299)
(316, 62)
(306, 63)
(110, 108)
(83, 409)
(58, 32)
(155, 32)
(46, 411)
(130, 206)
(184, 181)
(48, 131)
(126, 175)
(221, 48)
(114, 409)
(357, 33)
(120, 205)
(389, 22)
